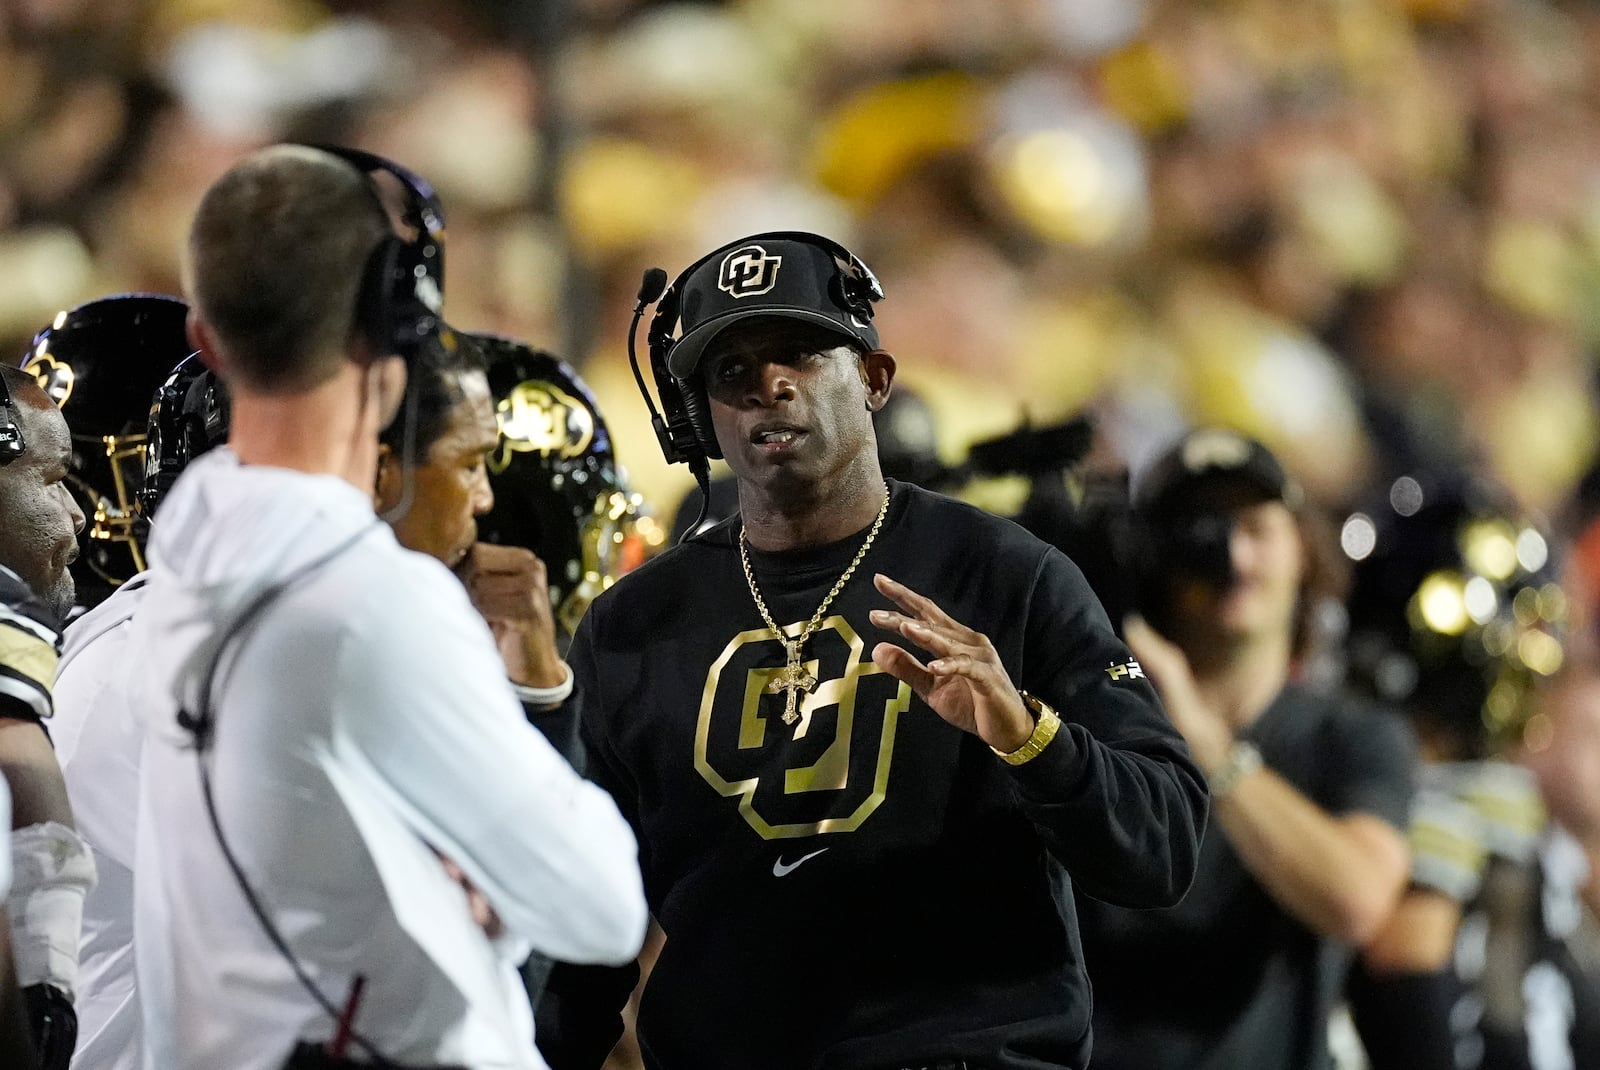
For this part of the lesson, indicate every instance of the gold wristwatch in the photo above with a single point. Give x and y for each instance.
(1045, 727)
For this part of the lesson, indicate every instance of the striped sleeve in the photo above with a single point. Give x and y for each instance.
(30, 647)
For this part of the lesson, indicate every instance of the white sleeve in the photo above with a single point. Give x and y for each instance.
(440, 724)
(5, 829)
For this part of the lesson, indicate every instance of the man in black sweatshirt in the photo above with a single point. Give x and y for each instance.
(869, 737)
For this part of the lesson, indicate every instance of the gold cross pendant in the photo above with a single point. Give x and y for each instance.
(794, 679)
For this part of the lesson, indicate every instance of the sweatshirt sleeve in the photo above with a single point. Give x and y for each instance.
(579, 1018)
(439, 722)
(1114, 796)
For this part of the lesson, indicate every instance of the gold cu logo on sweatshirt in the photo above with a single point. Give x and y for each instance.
(827, 773)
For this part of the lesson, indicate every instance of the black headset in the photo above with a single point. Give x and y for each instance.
(402, 287)
(683, 426)
(11, 441)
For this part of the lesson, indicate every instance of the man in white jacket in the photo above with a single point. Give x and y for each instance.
(99, 740)
(326, 714)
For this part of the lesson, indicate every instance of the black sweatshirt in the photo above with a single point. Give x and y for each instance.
(870, 887)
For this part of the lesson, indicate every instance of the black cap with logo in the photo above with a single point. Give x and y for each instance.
(1205, 458)
(788, 273)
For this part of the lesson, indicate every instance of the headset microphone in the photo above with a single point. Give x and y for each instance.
(677, 434)
(650, 291)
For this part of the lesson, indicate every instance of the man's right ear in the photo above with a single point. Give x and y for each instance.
(387, 486)
(202, 340)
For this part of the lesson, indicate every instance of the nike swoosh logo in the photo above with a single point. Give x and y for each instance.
(781, 870)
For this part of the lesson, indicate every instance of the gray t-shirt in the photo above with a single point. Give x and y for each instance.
(1228, 979)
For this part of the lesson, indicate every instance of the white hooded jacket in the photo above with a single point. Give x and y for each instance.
(363, 722)
(98, 742)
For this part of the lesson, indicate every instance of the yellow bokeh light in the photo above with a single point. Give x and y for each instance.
(1501, 707)
(1057, 182)
(1552, 603)
(1540, 652)
(1441, 603)
(1490, 547)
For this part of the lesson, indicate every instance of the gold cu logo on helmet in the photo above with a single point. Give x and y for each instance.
(748, 271)
(539, 417)
(56, 377)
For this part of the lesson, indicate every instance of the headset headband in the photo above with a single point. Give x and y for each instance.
(425, 212)
(401, 302)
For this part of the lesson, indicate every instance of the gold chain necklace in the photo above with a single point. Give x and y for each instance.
(794, 678)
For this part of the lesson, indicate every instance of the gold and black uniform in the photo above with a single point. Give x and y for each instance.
(869, 886)
(30, 645)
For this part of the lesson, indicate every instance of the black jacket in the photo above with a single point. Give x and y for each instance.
(870, 887)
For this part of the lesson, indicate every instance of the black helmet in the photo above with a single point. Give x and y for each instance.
(100, 362)
(558, 490)
(1455, 613)
(187, 416)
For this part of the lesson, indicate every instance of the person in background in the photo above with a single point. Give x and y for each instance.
(1305, 855)
(101, 363)
(1492, 961)
(51, 866)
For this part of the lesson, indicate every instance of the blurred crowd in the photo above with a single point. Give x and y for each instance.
(1361, 230)
(1365, 232)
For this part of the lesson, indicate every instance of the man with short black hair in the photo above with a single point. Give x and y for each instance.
(325, 712)
(870, 737)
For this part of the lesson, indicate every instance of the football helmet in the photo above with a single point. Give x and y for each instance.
(1455, 612)
(101, 362)
(187, 416)
(558, 489)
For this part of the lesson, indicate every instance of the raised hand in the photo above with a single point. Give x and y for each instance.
(964, 682)
(507, 585)
(1205, 730)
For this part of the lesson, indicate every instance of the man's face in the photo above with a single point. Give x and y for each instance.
(1267, 557)
(451, 487)
(788, 401)
(41, 520)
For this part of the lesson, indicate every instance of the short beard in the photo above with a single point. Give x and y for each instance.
(62, 596)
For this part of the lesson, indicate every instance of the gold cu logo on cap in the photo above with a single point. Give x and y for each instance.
(748, 271)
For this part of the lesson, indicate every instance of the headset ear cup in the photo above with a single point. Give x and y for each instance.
(840, 290)
(375, 304)
(697, 407)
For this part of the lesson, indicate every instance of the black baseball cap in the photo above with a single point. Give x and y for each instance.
(790, 274)
(1206, 457)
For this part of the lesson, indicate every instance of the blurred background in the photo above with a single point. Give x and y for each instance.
(1364, 230)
